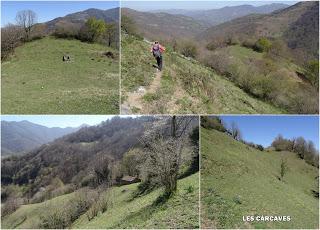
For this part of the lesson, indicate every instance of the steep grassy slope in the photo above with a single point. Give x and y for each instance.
(36, 80)
(237, 180)
(186, 86)
(180, 211)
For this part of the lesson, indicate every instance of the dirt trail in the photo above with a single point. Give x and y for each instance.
(134, 99)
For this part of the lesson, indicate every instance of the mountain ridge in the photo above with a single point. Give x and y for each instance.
(78, 18)
(217, 16)
(18, 137)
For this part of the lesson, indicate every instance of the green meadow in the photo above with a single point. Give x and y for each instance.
(35, 80)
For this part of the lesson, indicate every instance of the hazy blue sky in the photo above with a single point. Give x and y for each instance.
(60, 120)
(48, 10)
(190, 5)
(263, 129)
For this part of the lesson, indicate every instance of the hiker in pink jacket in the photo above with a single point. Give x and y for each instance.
(157, 51)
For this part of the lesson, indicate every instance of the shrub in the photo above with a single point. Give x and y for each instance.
(216, 43)
(62, 190)
(265, 87)
(38, 31)
(63, 217)
(260, 147)
(10, 206)
(312, 72)
(248, 43)
(67, 31)
(246, 79)
(188, 49)
(100, 205)
(11, 37)
(304, 102)
(131, 161)
(88, 180)
(189, 189)
(219, 61)
(262, 45)
(213, 122)
(282, 144)
(56, 219)
(93, 30)
(278, 49)
(232, 41)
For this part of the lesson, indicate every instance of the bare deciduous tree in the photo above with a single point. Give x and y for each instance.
(235, 132)
(26, 19)
(102, 170)
(110, 34)
(163, 152)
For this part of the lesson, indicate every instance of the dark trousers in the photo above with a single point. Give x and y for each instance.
(159, 62)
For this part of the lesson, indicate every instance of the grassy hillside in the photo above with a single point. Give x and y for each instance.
(180, 211)
(237, 180)
(36, 80)
(186, 86)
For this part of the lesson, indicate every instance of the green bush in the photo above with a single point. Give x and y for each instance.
(212, 122)
(312, 72)
(262, 45)
(246, 80)
(265, 87)
(189, 189)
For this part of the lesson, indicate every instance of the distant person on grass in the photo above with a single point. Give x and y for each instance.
(157, 51)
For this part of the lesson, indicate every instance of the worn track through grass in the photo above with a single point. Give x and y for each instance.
(134, 99)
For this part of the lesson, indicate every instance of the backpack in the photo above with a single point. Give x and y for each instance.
(156, 51)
